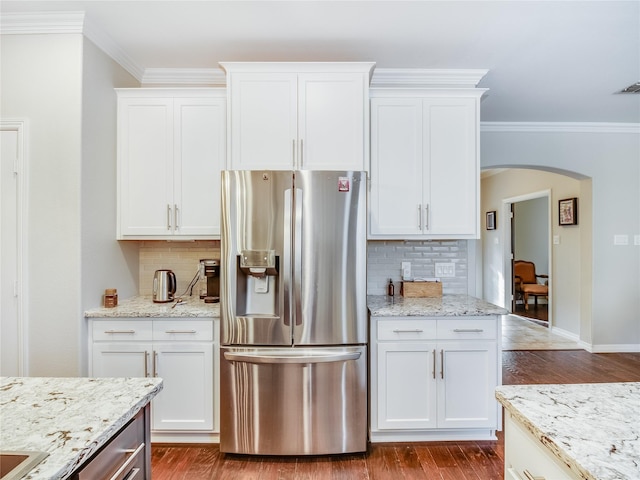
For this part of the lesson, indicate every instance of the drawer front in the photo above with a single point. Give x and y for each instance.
(122, 458)
(407, 329)
(121, 330)
(470, 328)
(183, 330)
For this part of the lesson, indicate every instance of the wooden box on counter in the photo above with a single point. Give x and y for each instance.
(421, 289)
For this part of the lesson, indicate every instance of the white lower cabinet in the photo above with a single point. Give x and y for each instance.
(181, 351)
(434, 378)
(526, 458)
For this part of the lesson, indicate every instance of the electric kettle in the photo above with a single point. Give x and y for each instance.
(164, 286)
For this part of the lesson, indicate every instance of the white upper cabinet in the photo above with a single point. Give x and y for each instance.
(312, 116)
(425, 164)
(171, 150)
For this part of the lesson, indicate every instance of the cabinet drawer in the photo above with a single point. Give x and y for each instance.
(121, 330)
(183, 330)
(122, 458)
(471, 328)
(406, 329)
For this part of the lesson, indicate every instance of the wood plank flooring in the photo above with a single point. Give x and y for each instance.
(401, 461)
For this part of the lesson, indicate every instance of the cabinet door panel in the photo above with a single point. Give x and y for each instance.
(199, 157)
(263, 121)
(331, 121)
(145, 150)
(120, 359)
(406, 387)
(466, 393)
(452, 175)
(396, 166)
(186, 401)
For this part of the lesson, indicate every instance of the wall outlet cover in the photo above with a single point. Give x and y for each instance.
(445, 269)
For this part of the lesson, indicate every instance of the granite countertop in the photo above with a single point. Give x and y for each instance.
(445, 306)
(67, 417)
(143, 307)
(592, 428)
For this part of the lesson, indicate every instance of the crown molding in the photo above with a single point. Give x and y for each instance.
(560, 127)
(34, 23)
(426, 78)
(204, 77)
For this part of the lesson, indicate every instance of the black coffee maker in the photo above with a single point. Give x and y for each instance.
(210, 272)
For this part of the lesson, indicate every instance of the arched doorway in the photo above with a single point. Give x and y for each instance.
(567, 270)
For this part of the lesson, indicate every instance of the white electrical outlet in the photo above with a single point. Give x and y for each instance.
(636, 239)
(445, 269)
(621, 239)
(406, 270)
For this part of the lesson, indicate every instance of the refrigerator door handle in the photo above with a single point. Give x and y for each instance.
(297, 257)
(286, 261)
(293, 357)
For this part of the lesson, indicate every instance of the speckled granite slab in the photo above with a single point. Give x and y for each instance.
(143, 307)
(69, 418)
(593, 428)
(445, 306)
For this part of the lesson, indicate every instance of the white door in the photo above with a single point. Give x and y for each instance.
(451, 175)
(263, 121)
(186, 401)
(145, 156)
(12, 341)
(200, 156)
(406, 386)
(466, 385)
(121, 360)
(396, 166)
(331, 121)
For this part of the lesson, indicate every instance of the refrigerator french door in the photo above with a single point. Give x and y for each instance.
(293, 313)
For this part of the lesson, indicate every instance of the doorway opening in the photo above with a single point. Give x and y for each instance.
(529, 239)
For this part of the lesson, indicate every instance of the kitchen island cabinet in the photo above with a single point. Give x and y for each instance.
(434, 367)
(298, 115)
(584, 431)
(70, 421)
(181, 350)
(425, 164)
(171, 150)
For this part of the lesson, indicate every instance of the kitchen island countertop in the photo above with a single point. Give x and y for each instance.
(68, 418)
(142, 306)
(445, 306)
(591, 428)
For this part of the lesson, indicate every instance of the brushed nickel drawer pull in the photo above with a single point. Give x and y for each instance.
(417, 330)
(441, 363)
(168, 217)
(134, 454)
(146, 363)
(434, 363)
(468, 330)
(120, 331)
(175, 217)
(180, 331)
(531, 477)
(155, 364)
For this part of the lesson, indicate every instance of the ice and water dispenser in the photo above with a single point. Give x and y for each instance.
(257, 277)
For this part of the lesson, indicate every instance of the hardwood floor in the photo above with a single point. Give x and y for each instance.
(402, 461)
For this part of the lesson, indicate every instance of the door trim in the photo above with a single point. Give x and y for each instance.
(21, 127)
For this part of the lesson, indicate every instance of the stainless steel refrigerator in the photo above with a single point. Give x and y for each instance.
(293, 361)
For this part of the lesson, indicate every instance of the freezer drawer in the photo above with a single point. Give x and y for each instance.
(293, 401)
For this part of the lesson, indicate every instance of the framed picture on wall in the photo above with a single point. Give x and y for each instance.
(491, 220)
(568, 211)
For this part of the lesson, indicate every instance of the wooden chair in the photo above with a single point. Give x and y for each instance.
(526, 282)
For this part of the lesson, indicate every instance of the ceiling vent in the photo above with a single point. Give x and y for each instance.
(635, 88)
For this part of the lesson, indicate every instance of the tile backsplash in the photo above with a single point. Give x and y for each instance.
(383, 262)
(181, 257)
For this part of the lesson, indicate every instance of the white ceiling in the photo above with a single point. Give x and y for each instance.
(548, 61)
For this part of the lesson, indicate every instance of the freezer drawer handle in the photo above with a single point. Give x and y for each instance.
(275, 358)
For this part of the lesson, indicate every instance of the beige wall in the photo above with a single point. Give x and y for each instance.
(566, 265)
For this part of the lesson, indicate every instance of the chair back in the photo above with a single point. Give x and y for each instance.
(525, 270)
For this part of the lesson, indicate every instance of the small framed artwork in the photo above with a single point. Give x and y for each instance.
(491, 220)
(568, 211)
